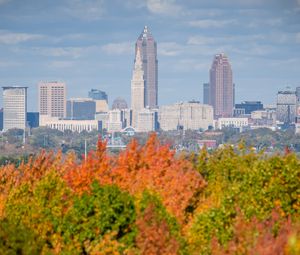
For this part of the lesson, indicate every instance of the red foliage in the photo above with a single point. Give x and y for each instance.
(256, 237)
(154, 237)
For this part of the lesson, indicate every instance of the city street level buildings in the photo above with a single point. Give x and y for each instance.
(14, 107)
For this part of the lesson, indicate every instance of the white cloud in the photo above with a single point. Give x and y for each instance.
(61, 64)
(73, 52)
(7, 37)
(85, 9)
(118, 48)
(170, 49)
(211, 23)
(166, 7)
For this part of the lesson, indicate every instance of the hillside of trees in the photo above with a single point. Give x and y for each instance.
(149, 200)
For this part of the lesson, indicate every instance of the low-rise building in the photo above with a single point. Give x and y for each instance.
(232, 122)
(191, 115)
(73, 125)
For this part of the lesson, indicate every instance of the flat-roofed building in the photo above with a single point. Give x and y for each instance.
(52, 99)
(14, 107)
(191, 115)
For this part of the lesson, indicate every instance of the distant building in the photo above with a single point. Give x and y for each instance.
(298, 105)
(102, 118)
(148, 48)
(97, 94)
(206, 93)
(119, 103)
(137, 88)
(101, 100)
(14, 107)
(208, 144)
(221, 86)
(73, 125)
(1, 119)
(232, 122)
(146, 120)
(185, 116)
(81, 109)
(250, 106)
(115, 120)
(52, 99)
(32, 119)
(286, 106)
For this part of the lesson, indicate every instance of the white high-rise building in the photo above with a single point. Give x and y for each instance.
(52, 99)
(14, 107)
(137, 88)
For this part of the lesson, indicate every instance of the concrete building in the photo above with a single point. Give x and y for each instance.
(148, 48)
(232, 122)
(115, 120)
(81, 109)
(286, 106)
(102, 118)
(73, 125)
(52, 99)
(185, 116)
(206, 93)
(221, 86)
(147, 119)
(14, 107)
(137, 88)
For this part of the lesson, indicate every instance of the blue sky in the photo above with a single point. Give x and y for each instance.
(90, 44)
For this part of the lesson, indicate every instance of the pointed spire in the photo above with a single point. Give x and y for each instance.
(138, 60)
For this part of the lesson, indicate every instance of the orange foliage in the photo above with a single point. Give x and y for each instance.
(80, 176)
(155, 167)
(152, 167)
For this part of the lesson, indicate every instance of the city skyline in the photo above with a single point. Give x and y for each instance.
(86, 43)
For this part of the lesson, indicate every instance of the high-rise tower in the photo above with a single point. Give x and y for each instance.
(137, 87)
(147, 45)
(52, 99)
(14, 107)
(221, 86)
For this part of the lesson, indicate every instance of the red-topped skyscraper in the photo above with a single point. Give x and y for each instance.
(221, 86)
(148, 49)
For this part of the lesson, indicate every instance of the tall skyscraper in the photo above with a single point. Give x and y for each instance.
(52, 99)
(206, 92)
(221, 86)
(147, 45)
(137, 87)
(14, 107)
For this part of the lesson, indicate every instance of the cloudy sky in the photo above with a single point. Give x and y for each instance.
(90, 44)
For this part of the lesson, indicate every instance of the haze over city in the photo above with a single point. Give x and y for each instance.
(90, 44)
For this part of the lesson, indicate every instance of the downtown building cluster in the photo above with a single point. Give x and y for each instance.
(92, 112)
